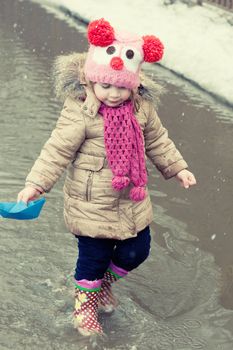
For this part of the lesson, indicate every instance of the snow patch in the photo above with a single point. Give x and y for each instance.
(198, 39)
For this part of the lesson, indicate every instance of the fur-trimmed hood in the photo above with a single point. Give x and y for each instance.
(69, 80)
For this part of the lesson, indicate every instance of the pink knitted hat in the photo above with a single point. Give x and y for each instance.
(115, 57)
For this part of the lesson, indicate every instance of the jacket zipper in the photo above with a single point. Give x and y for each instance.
(89, 183)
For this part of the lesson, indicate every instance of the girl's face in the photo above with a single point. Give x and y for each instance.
(111, 95)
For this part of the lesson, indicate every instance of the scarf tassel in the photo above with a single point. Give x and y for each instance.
(137, 194)
(120, 182)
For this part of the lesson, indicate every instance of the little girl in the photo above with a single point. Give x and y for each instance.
(107, 126)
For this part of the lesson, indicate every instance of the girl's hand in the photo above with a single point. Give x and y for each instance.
(29, 193)
(186, 178)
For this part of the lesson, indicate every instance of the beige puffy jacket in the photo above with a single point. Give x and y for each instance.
(91, 206)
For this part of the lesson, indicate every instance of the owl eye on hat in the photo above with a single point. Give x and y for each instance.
(116, 57)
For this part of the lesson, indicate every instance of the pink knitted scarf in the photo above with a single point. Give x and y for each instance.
(124, 146)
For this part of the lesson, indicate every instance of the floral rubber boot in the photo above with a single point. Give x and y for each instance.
(107, 300)
(86, 307)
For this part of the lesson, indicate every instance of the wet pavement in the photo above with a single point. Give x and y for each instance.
(182, 297)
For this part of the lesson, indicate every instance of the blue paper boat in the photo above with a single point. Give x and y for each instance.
(21, 210)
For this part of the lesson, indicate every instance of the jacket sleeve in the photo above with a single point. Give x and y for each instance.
(160, 149)
(60, 148)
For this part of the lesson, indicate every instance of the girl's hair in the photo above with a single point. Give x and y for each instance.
(136, 99)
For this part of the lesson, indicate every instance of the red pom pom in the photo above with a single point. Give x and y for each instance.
(153, 48)
(117, 63)
(100, 33)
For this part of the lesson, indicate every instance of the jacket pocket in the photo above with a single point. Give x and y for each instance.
(82, 175)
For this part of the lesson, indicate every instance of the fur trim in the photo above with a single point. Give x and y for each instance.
(150, 90)
(69, 80)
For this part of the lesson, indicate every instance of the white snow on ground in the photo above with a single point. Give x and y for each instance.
(198, 40)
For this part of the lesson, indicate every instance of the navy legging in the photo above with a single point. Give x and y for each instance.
(95, 254)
